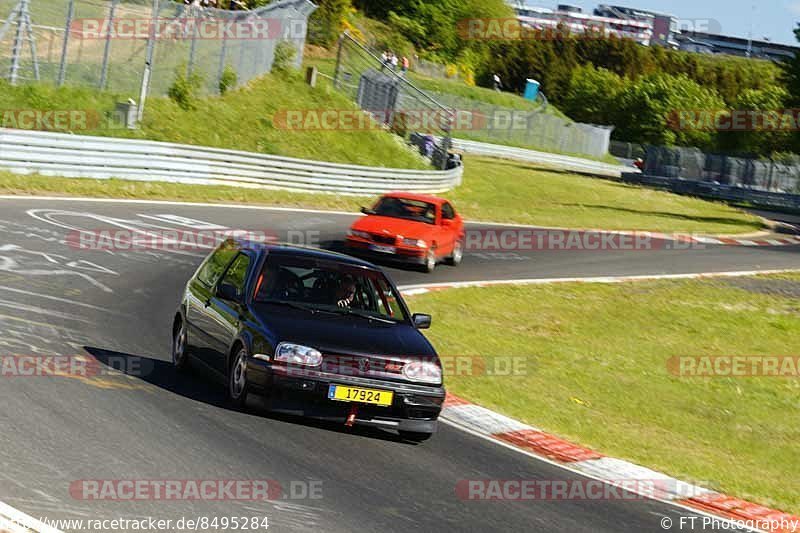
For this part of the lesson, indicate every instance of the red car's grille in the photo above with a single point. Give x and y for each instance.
(383, 239)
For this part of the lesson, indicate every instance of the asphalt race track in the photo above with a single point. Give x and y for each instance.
(152, 423)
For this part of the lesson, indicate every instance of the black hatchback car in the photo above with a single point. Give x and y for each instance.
(317, 333)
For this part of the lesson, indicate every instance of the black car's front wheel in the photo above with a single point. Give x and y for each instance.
(179, 357)
(414, 436)
(237, 379)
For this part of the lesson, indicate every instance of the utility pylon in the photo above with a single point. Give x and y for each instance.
(22, 17)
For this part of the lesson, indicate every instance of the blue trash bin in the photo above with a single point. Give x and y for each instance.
(531, 89)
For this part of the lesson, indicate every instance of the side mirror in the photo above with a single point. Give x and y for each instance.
(228, 292)
(367, 211)
(421, 321)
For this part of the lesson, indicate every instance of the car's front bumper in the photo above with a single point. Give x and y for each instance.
(304, 392)
(361, 248)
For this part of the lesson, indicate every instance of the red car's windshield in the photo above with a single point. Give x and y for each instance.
(407, 209)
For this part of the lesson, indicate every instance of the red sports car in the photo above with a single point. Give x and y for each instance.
(413, 228)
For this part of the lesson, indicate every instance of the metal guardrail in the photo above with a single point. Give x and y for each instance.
(563, 162)
(79, 156)
(718, 191)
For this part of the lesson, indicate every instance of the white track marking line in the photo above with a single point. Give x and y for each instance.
(17, 521)
(57, 299)
(710, 240)
(175, 203)
(565, 466)
(427, 287)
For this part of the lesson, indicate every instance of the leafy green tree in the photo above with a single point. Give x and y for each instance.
(433, 27)
(326, 22)
(791, 74)
(592, 95)
(771, 137)
(647, 108)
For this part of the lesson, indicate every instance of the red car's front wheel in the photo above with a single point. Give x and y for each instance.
(430, 260)
(457, 255)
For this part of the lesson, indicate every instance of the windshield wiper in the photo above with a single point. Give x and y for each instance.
(296, 305)
(352, 312)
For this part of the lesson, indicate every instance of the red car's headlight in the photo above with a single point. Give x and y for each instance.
(359, 234)
(419, 243)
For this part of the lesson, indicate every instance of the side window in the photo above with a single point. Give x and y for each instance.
(215, 265)
(237, 273)
(387, 304)
(448, 212)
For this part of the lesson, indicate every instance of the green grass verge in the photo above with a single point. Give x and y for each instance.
(509, 191)
(493, 190)
(480, 94)
(241, 119)
(595, 372)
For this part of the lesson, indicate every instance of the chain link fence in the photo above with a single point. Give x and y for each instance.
(126, 46)
(537, 129)
(626, 150)
(434, 70)
(384, 92)
(767, 175)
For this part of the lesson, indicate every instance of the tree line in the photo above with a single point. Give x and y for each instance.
(602, 80)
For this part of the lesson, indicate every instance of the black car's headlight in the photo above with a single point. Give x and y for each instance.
(423, 372)
(297, 354)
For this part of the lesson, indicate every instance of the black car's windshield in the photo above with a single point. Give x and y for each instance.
(329, 286)
(404, 208)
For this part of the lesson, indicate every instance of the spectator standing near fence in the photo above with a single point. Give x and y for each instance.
(395, 61)
(405, 64)
(498, 84)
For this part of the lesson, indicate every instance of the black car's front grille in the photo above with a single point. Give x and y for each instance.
(350, 365)
(383, 239)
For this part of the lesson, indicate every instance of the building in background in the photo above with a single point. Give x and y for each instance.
(573, 20)
(648, 28)
(664, 26)
(702, 42)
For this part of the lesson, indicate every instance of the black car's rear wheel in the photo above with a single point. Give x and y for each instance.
(180, 358)
(414, 436)
(237, 379)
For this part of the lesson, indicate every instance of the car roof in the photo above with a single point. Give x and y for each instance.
(416, 196)
(287, 250)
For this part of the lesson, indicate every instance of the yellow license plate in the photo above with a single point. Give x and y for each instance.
(356, 394)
